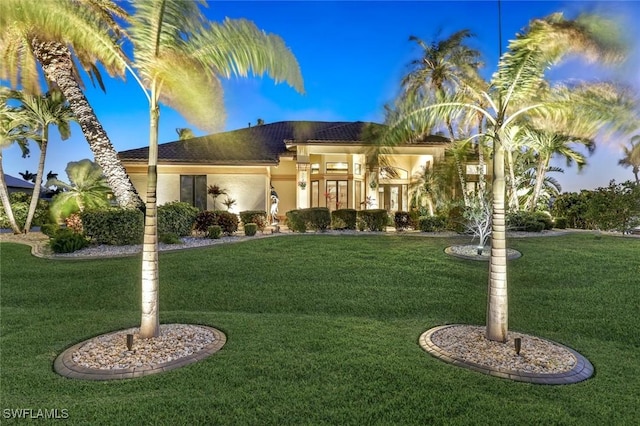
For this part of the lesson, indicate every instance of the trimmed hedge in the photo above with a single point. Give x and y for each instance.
(316, 218)
(295, 222)
(432, 223)
(250, 229)
(561, 222)
(114, 226)
(176, 218)
(528, 221)
(259, 217)
(372, 220)
(343, 219)
(214, 232)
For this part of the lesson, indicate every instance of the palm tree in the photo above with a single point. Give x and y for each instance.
(546, 144)
(53, 36)
(185, 133)
(179, 59)
(41, 112)
(28, 176)
(516, 86)
(87, 189)
(632, 157)
(447, 66)
(13, 129)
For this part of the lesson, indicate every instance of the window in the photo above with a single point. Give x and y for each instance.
(193, 190)
(337, 168)
(336, 194)
(315, 193)
(357, 169)
(315, 168)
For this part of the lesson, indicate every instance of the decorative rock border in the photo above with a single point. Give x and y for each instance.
(511, 254)
(65, 366)
(582, 370)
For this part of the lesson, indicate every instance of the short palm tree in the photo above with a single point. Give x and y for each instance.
(87, 189)
(13, 129)
(57, 36)
(178, 58)
(41, 112)
(632, 157)
(514, 95)
(185, 133)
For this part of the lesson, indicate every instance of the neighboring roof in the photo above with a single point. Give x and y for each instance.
(14, 182)
(263, 144)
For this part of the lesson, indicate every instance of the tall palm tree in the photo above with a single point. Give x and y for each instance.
(515, 94)
(632, 157)
(53, 36)
(13, 129)
(179, 58)
(41, 112)
(447, 66)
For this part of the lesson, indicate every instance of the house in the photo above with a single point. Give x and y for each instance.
(15, 184)
(304, 163)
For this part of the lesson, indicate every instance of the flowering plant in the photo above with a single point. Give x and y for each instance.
(302, 184)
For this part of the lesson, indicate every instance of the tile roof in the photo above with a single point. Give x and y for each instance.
(262, 144)
(14, 182)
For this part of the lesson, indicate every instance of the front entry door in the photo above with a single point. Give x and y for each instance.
(392, 197)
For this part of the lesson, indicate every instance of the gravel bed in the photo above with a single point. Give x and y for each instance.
(472, 251)
(468, 343)
(109, 351)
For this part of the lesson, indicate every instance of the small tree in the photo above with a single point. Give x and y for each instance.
(477, 216)
(215, 191)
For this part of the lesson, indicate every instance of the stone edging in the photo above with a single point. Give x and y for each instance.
(65, 366)
(581, 371)
(450, 252)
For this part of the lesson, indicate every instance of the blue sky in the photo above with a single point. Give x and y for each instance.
(352, 55)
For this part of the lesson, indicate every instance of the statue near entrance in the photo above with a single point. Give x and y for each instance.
(274, 206)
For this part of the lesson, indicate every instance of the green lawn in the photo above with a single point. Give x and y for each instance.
(323, 329)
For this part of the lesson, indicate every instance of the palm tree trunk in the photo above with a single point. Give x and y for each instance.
(35, 197)
(497, 300)
(540, 175)
(4, 198)
(56, 62)
(150, 322)
(513, 196)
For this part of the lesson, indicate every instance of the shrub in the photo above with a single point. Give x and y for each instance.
(67, 241)
(561, 222)
(295, 222)
(204, 220)
(373, 220)
(545, 218)
(250, 229)
(169, 238)
(114, 226)
(19, 202)
(176, 218)
(49, 229)
(343, 219)
(259, 217)
(402, 220)
(455, 219)
(74, 223)
(524, 221)
(317, 218)
(227, 221)
(432, 223)
(214, 232)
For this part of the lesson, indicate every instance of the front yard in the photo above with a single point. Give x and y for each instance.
(323, 329)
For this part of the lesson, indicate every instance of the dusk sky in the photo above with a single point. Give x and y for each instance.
(352, 55)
